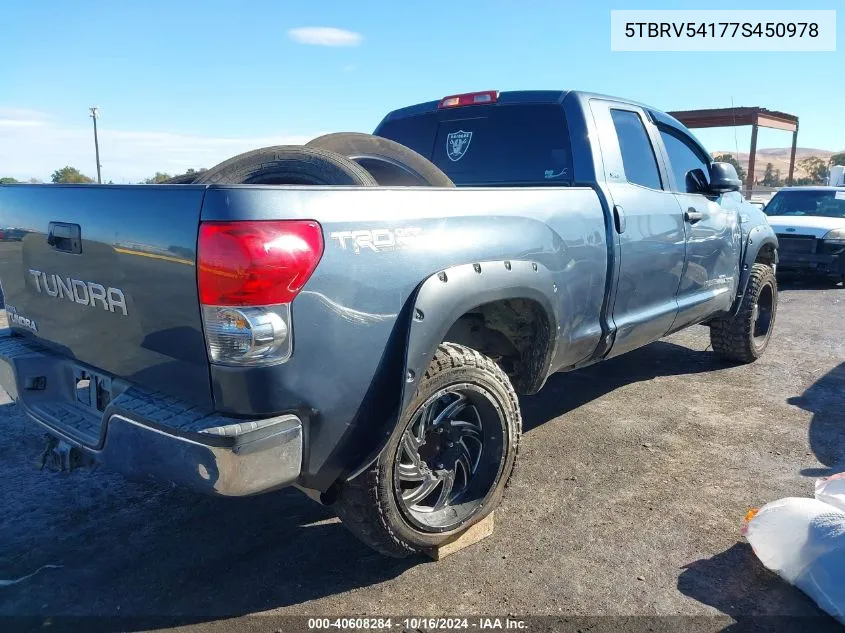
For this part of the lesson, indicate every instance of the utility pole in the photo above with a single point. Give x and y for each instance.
(94, 113)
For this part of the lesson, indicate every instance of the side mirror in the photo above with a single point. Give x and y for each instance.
(723, 178)
(696, 182)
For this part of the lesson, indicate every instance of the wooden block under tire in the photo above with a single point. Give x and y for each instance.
(476, 533)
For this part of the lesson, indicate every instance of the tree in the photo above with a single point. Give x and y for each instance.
(815, 168)
(7, 181)
(69, 175)
(728, 158)
(837, 159)
(159, 178)
(162, 177)
(771, 177)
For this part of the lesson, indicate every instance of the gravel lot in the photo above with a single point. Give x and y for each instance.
(634, 477)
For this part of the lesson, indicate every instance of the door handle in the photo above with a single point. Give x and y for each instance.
(692, 216)
(619, 218)
(65, 237)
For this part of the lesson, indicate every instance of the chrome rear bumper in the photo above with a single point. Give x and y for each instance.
(150, 435)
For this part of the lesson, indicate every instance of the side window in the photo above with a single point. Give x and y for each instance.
(683, 159)
(638, 157)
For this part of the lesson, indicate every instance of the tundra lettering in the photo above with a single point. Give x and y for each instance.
(82, 292)
(20, 321)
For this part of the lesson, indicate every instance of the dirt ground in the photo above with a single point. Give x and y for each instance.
(634, 477)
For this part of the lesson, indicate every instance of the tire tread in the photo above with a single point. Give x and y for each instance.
(732, 338)
(325, 165)
(360, 506)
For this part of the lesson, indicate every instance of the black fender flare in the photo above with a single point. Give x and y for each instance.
(759, 237)
(442, 298)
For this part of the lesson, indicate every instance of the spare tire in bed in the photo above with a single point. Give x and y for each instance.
(389, 162)
(287, 165)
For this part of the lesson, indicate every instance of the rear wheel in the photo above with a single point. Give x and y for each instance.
(744, 338)
(287, 165)
(390, 163)
(447, 463)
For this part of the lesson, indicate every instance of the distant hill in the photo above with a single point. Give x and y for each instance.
(779, 158)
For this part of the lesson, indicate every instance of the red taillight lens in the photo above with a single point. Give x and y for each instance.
(256, 263)
(469, 98)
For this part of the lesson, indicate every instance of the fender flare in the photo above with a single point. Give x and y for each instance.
(758, 238)
(443, 298)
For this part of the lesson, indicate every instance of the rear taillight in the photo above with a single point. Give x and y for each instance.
(248, 275)
(469, 98)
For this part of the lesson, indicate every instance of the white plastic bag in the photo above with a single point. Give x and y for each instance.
(803, 541)
(831, 490)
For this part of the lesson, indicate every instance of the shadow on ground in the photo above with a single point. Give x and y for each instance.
(186, 559)
(567, 391)
(825, 399)
(737, 584)
(807, 282)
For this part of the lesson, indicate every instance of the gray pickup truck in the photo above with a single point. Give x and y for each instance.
(367, 343)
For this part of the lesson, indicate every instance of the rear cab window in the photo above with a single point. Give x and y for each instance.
(638, 158)
(520, 144)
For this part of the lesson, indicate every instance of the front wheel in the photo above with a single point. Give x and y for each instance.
(744, 337)
(446, 464)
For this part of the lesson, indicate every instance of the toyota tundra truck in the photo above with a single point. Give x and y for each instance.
(297, 317)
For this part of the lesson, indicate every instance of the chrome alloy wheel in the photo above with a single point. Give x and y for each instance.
(450, 457)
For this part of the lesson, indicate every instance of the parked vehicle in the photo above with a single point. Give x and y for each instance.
(810, 226)
(837, 176)
(367, 343)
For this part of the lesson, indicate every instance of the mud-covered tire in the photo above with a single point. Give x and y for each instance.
(390, 163)
(743, 338)
(288, 165)
(369, 505)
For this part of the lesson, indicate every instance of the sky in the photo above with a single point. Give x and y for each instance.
(189, 84)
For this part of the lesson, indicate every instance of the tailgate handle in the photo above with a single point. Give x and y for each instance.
(65, 237)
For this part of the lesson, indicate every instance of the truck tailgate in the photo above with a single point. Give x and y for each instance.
(106, 275)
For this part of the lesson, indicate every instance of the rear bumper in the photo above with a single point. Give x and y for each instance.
(251, 463)
(147, 435)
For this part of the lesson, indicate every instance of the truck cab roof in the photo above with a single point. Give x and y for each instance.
(513, 138)
(512, 97)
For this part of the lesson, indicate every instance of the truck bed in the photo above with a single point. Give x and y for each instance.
(349, 320)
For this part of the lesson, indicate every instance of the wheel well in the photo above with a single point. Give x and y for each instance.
(515, 333)
(766, 255)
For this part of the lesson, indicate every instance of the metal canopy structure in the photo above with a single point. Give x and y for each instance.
(756, 118)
